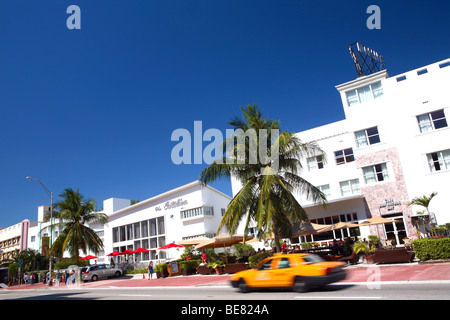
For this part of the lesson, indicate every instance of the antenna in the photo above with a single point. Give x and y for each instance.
(366, 60)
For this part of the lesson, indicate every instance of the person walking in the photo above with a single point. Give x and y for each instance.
(150, 270)
(58, 277)
(204, 257)
(283, 247)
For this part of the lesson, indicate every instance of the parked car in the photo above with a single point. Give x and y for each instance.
(99, 271)
(298, 271)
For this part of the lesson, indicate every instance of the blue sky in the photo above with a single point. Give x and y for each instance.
(95, 108)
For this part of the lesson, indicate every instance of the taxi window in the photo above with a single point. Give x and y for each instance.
(284, 264)
(266, 266)
(312, 258)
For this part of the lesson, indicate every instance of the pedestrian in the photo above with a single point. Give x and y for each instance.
(58, 277)
(150, 270)
(32, 279)
(25, 278)
(66, 279)
(283, 247)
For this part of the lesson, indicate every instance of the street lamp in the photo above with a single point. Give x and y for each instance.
(51, 224)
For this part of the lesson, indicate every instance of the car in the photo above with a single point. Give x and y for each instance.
(298, 271)
(98, 271)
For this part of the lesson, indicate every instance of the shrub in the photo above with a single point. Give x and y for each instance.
(432, 249)
(162, 267)
(189, 264)
(257, 258)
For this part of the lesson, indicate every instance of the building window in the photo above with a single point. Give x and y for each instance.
(315, 163)
(115, 234)
(376, 173)
(325, 190)
(364, 94)
(122, 233)
(129, 232)
(137, 230)
(344, 156)
(350, 187)
(367, 137)
(439, 160)
(432, 121)
(144, 229)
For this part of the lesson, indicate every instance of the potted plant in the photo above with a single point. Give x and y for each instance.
(365, 249)
(217, 265)
(374, 240)
(188, 267)
(161, 270)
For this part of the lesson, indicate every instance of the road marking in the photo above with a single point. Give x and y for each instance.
(135, 295)
(331, 297)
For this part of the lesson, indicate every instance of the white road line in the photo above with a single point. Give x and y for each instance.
(331, 297)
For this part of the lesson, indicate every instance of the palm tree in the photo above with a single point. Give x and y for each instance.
(33, 260)
(267, 193)
(424, 202)
(74, 213)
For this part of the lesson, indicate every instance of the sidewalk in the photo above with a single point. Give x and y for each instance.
(355, 274)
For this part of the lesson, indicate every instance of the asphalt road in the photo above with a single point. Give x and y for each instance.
(430, 290)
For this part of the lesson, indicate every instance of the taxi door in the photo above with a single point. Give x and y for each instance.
(263, 276)
(281, 273)
(274, 273)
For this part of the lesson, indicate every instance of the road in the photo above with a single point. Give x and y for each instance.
(433, 290)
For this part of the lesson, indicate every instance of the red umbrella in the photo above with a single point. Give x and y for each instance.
(139, 250)
(127, 252)
(89, 257)
(114, 253)
(170, 245)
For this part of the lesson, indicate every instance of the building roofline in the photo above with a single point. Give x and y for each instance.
(166, 194)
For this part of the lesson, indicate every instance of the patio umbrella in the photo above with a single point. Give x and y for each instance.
(193, 241)
(89, 257)
(222, 240)
(140, 250)
(114, 253)
(375, 220)
(127, 251)
(169, 246)
(342, 225)
(306, 228)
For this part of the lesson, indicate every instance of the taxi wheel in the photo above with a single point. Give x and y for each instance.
(243, 286)
(300, 285)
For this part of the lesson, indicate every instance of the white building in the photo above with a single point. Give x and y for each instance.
(188, 211)
(392, 146)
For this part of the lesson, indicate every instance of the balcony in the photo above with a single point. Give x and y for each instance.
(194, 213)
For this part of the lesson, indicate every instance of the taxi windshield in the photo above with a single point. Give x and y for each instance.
(312, 258)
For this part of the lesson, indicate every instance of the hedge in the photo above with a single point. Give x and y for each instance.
(432, 249)
(189, 264)
(257, 258)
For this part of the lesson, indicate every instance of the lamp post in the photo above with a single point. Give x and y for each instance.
(51, 224)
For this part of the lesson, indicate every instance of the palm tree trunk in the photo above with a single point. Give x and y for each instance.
(277, 241)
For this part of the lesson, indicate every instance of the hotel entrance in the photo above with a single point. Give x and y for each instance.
(395, 231)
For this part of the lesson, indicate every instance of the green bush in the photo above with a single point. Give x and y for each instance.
(189, 264)
(432, 249)
(257, 258)
(162, 267)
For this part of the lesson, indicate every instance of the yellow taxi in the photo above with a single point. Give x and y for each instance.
(299, 271)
